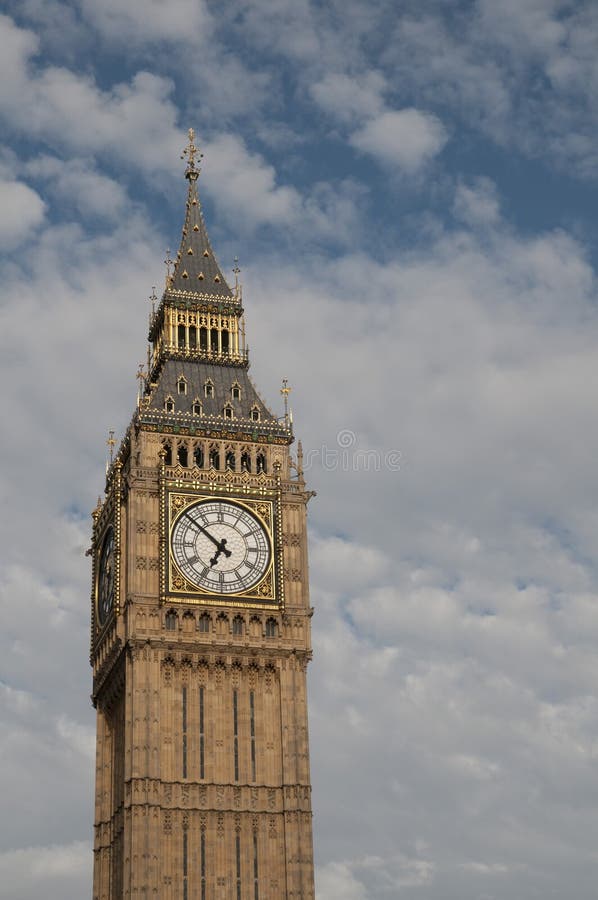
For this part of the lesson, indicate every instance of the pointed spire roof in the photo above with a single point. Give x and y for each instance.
(196, 269)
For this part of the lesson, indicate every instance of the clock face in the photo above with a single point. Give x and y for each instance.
(220, 546)
(105, 598)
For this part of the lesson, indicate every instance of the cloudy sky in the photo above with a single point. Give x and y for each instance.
(410, 187)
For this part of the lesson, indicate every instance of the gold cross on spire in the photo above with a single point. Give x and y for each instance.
(191, 151)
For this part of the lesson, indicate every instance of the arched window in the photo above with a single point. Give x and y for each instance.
(170, 620)
(209, 388)
(260, 463)
(229, 460)
(198, 456)
(192, 337)
(169, 404)
(204, 623)
(255, 413)
(238, 625)
(181, 337)
(225, 341)
(235, 391)
(183, 455)
(245, 462)
(197, 408)
(271, 628)
(168, 456)
(214, 340)
(182, 385)
(214, 458)
(227, 412)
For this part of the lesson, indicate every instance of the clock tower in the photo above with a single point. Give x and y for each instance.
(200, 622)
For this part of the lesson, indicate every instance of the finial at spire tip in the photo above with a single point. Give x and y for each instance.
(191, 151)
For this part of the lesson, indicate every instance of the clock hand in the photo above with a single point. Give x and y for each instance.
(220, 545)
(220, 548)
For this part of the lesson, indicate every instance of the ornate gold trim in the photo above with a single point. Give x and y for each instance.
(176, 588)
(108, 517)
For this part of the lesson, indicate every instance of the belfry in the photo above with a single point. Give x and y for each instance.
(200, 620)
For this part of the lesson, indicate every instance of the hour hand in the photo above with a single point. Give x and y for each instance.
(220, 548)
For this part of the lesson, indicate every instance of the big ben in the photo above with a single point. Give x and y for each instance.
(200, 622)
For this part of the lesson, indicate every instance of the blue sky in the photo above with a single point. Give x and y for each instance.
(411, 189)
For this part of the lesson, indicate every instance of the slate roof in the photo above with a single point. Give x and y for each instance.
(222, 377)
(185, 287)
(196, 269)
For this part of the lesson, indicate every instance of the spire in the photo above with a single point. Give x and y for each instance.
(196, 269)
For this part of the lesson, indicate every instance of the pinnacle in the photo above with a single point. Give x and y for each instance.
(196, 269)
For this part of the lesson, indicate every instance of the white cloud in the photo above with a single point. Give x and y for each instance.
(21, 212)
(336, 880)
(477, 202)
(348, 98)
(406, 139)
(60, 872)
(134, 122)
(247, 192)
(78, 185)
(246, 185)
(149, 20)
(523, 73)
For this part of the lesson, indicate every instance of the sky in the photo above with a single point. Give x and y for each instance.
(411, 188)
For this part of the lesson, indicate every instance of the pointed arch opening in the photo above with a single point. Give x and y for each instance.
(183, 455)
(204, 623)
(198, 456)
(214, 457)
(245, 461)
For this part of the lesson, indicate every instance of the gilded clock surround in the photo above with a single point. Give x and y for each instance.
(202, 753)
(105, 580)
(106, 516)
(262, 594)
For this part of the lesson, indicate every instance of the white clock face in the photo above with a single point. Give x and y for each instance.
(220, 546)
